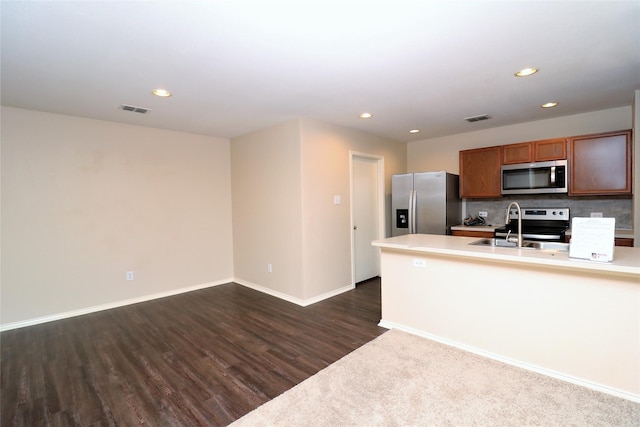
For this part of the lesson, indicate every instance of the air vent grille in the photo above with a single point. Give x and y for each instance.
(478, 118)
(133, 109)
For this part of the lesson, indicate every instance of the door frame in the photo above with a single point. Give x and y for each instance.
(353, 155)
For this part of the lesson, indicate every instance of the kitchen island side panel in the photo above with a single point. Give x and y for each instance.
(575, 324)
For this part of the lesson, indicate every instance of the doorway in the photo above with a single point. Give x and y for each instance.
(367, 214)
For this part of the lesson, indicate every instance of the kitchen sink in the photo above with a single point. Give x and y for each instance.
(494, 242)
(548, 246)
(527, 244)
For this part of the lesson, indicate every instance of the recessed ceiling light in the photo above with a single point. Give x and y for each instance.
(549, 105)
(366, 115)
(526, 72)
(414, 131)
(163, 93)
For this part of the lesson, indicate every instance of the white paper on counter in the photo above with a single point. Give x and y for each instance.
(592, 238)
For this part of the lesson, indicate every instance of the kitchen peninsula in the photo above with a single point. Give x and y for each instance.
(571, 319)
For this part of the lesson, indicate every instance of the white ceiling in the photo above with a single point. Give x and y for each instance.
(239, 66)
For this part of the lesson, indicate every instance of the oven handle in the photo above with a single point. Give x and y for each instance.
(553, 176)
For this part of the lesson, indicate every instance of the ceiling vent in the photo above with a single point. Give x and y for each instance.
(478, 118)
(140, 110)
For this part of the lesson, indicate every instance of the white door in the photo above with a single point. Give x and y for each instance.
(366, 221)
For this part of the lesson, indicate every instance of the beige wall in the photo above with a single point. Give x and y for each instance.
(84, 201)
(284, 179)
(326, 227)
(267, 209)
(442, 153)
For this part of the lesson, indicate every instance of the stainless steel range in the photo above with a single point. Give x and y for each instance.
(538, 224)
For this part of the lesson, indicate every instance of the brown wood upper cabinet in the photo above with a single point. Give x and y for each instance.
(535, 151)
(600, 164)
(480, 172)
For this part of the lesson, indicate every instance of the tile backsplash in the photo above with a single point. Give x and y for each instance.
(619, 208)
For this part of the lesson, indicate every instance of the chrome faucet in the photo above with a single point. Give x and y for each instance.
(518, 239)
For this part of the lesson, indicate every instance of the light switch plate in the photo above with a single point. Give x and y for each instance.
(336, 200)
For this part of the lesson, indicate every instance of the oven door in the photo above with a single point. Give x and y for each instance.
(534, 178)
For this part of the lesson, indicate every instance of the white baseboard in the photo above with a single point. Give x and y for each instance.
(292, 299)
(101, 307)
(116, 304)
(540, 370)
(328, 295)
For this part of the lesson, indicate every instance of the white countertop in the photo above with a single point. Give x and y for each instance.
(626, 260)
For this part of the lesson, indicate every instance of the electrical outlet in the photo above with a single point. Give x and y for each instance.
(420, 263)
(596, 214)
(269, 268)
(129, 275)
(483, 214)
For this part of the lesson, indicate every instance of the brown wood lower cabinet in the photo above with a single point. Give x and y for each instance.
(471, 233)
(619, 241)
(624, 241)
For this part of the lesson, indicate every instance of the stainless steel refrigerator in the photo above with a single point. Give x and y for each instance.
(425, 202)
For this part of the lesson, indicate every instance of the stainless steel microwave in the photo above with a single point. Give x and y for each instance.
(535, 178)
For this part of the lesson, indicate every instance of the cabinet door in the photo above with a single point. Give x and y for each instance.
(618, 241)
(550, 149)
(480, 172)
(535, 151)
(624, 241)
(600, 164)
(477, 234)
(517, 153)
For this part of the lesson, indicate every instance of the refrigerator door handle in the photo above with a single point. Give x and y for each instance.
(412, 211)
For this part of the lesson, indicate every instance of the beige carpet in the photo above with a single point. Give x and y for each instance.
(400, 379)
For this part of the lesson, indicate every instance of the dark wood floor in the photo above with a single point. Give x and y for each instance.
(202, 358)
